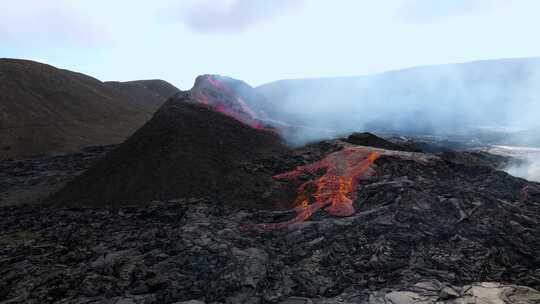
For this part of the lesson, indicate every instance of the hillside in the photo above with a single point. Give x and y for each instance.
(45, 109)
(145, 93)
(185, 150)
(451, 98)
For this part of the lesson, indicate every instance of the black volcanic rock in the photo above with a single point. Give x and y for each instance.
(185, 150)
(372, 140)
(428, 229)
(30, 180)
(44, 109)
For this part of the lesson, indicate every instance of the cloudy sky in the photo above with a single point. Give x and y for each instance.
(263, 40)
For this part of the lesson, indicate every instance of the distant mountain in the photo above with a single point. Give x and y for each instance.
(145, 93)
(450, 98)
(45, 109)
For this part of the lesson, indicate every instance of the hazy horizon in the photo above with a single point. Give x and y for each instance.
(263, 41)
(337, 77)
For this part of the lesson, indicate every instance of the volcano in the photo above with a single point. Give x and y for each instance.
(221, 211)
(204, 142)
(230, 97)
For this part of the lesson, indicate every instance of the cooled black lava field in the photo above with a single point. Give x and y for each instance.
(174, 214)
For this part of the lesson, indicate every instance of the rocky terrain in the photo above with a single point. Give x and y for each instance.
(30, 180)
(206, 204)
(44, 109)
(428, 228)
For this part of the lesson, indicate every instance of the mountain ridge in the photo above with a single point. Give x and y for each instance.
(405, 69)
(46, 109)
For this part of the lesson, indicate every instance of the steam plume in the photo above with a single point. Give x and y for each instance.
(489, 102)
(528, 169)
(477, 98)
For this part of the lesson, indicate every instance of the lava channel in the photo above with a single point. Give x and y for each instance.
(335, 190)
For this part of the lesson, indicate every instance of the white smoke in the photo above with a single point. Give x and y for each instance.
(438, 100)
(527, 168)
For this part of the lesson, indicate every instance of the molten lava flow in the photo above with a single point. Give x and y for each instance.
(335, 190)
(228, 103)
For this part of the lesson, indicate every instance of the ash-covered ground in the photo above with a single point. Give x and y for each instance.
(428, 227)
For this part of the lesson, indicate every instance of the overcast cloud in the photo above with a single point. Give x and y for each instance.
(263, 40)
(433, 10)
(27, 23)
(209, 16)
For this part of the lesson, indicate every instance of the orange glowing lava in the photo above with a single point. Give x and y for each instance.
(335, 189)
(227, 102)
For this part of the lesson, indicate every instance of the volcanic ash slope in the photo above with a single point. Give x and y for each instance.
(185, 150)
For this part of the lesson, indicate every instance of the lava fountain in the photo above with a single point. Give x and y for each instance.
(335, 190)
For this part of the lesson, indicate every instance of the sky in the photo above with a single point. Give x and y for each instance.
(260, 41)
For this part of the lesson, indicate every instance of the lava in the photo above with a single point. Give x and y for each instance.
(335, 190)
(228, 103)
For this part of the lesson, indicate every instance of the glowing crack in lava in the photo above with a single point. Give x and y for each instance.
(223, 99)
(336, 189)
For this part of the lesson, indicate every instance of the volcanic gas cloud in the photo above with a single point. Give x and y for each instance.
(336, 189)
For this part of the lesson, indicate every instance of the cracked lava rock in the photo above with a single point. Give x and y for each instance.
(427, 228)
(162, 218)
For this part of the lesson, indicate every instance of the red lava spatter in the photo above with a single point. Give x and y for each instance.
(237, 109)
(336, 189)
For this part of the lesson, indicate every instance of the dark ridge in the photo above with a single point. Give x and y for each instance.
(44, 109)
(185, 150)
(145, 93)
(372, 140)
